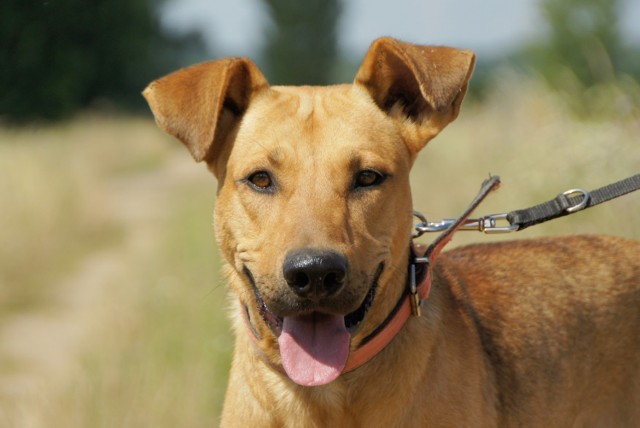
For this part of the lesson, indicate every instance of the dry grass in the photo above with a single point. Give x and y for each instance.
(47, 206)
(51, 194)
(163, 360)
(159, 353)
(152, 320)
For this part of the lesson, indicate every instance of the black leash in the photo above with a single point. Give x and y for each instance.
(566, 203)
(570, 202)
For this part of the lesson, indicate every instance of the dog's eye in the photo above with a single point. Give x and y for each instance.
(260, 180)
(368, 178)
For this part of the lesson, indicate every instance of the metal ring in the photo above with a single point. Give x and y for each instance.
(420, 216)
(420, 228)
(582, 204)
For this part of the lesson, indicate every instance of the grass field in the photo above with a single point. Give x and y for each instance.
(107, 240)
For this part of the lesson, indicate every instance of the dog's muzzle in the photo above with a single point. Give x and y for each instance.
(314, 340)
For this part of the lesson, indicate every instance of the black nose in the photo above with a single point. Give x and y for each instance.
(315, 273)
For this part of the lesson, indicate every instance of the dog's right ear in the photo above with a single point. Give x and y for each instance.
(199, 104)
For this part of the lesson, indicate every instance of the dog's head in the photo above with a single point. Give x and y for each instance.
(314, 210)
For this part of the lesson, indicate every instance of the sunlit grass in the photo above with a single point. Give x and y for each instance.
(160, 353)
(162, 361)
(52, 197)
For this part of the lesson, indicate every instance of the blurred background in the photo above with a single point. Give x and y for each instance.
(113, 312)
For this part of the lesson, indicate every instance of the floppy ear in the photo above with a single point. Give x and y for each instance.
(199, 104)
(422, 86)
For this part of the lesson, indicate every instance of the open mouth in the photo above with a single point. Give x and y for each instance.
(351, 320)
(314, 346)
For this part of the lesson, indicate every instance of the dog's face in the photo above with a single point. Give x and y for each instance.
(321, 187)
(314, 209)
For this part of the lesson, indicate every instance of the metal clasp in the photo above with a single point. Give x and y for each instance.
(488, 224)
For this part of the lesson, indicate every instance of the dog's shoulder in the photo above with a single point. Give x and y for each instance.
(539, 304)
(543, 261)
(542, 277)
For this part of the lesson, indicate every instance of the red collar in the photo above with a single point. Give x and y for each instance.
(408, 305)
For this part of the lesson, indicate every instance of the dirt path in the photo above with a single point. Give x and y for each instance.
(41, 349)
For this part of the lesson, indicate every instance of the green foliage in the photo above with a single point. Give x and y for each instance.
(584, 35)
(58, 56)
(583, 51)
(301, 46)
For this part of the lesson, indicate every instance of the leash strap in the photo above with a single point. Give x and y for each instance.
(570, 202)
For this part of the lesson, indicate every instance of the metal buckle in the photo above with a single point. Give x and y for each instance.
(582, 204)
(413, 293)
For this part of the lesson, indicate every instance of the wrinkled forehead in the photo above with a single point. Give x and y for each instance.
(317, 121)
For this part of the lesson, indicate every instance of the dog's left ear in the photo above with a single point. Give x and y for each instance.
(421, 86)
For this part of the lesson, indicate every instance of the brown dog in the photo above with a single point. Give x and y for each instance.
(314, 216)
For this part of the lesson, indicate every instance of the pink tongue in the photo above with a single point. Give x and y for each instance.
(314, 348)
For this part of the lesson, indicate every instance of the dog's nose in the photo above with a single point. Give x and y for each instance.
(315, 273)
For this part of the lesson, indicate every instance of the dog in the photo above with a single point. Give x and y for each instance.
(314, 217)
